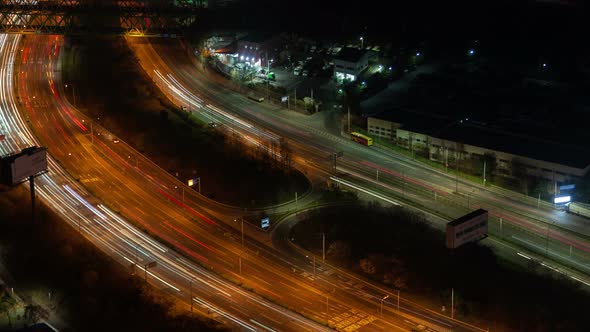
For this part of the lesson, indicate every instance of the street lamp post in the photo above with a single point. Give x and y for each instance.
(323, 247)
(362, 42)
(73, 93)
(383, 299)
(191, 298)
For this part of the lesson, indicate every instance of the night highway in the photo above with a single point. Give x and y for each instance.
(114, 175)
(553, 237)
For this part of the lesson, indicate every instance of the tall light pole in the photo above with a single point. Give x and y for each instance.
(362, 42)
(484, 173)
(383, 299)
(191, 299)
(74, 94)
(323, 247)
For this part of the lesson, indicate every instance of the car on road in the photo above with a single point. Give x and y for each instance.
(116, 140)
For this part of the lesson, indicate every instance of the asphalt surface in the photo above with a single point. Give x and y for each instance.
(99, 179)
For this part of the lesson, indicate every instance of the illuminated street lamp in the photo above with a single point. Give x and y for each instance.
(362, 42)
(74, 94)
(383, 299)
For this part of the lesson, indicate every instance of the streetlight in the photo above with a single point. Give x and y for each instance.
(469, 196)
(242, 220)
(383, 299)
(191, 299)
(74, 94)
(362, 42)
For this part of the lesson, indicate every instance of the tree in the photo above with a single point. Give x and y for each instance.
(34, 313)
(339, 250)
(243, 75)
(7, 303)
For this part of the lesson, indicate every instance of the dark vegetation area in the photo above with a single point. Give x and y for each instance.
(89, 291)
(398, 248)
(111, 85)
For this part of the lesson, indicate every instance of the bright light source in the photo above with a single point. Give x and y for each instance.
(418, 54)
(390, 68)
(361, 38)
(241, 57)
(364, 83)
(562, 199)
(471, 52)
(247, 58)
(544, 65)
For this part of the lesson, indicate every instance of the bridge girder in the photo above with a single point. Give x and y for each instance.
(72, 17)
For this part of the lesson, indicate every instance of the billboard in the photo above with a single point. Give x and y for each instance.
(562, 199)
(471, 227)
(29, 161)
(265, 223)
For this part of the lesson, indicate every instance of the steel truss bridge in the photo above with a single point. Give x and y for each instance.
(77, 17)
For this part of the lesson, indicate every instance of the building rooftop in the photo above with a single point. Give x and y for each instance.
(350, 54)
(482, 135)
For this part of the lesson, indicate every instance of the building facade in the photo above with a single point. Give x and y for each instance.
(349, 63)
(448, 152)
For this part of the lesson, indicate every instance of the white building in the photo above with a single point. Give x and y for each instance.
(445, 141)
(349, 63)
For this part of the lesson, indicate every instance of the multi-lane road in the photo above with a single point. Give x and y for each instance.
(105, 180)
(552, 236)
(97, 182)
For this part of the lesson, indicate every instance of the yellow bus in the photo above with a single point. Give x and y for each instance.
(360, 138)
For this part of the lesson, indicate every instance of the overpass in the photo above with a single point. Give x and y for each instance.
(119, 17)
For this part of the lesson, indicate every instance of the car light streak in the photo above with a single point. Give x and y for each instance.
(346, 183)
(153, 275)
(81, 200)
(224, 314)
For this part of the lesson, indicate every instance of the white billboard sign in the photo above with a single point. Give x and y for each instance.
(29, 162)
(469, 228)
(562, 199)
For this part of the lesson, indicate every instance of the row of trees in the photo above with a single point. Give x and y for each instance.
(400, 249)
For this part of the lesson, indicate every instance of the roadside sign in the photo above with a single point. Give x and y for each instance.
(265, 223)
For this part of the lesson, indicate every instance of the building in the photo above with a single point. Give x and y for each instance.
(449, 141)
(256, 49)
(350, 62)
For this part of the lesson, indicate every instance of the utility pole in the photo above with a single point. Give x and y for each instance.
(32, 187)
(456, 174)
(191, 298)
(323, 247)
(539, 200)
(349, 129)
(452, 303)
(484, 173)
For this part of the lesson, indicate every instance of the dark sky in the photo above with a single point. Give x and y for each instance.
(518, 24)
